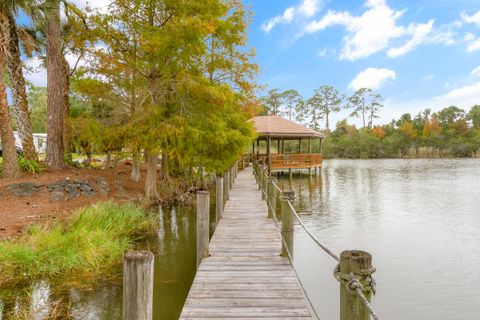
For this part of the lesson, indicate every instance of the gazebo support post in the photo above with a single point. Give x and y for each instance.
(258, 149)
(253, 151)
(269, 141)
(310, 155)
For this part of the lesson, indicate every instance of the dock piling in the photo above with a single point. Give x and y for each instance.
(218, 199)
(138, 285)
(203, 224)
(272, 198)
(354, 263)
(288, 223)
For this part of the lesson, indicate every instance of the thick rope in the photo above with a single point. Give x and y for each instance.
(358, 282)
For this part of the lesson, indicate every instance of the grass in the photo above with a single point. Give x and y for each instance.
(27, 166)
(90, 244)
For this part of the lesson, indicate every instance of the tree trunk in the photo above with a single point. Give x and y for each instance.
(67, 128)
(17, 81)
(136, 174)
(327, 114)
(11, 168)
(151, 192)
(164, 173)
(88, 161)
(117, 158)
(55, 92)
(108, 160)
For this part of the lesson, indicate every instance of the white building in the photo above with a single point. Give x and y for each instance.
(39, 140)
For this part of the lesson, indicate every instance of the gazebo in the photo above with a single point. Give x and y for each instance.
(283, 144)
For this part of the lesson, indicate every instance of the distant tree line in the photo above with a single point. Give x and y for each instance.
(450, 132)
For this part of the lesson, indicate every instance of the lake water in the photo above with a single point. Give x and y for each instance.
(420, 220)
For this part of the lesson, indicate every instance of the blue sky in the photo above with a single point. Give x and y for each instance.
(417, 54)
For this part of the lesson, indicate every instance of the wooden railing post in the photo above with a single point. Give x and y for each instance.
(226, 184)
(272, 198)
(218, 198)
(230, 175)
(138, 285)
(351, 306)
(264, 187)
(287, 223)
(259, 177)
(203, 224)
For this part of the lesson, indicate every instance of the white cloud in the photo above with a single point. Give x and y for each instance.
(474, 45)
(372, 78)
(99, 4)
(469, 37)
(306, 8)
(475, 18)
(476, 72)
(36, 73)
(322, 53)
(419, 32)
(309, 7)
(375, 29)
(464, 97)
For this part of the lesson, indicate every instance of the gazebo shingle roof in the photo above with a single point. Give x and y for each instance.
(273, 126)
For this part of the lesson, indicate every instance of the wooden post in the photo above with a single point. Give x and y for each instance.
(203, 224)
(259, 176)
(351, 306)
(137, 285)
(264, 187)
(310, 155)
(230, 175)
(272, 198)
(269, 143)
(226, 185)
(287, 223)
(219, 198)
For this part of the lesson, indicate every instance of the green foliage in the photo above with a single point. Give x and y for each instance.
(30, 166)
(37, 99)
(91, 243)
(474, 116)
(424, 136)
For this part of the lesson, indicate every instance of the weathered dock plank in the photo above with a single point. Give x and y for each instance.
(245, 277)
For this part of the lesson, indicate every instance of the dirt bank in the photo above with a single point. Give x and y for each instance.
(54, 195)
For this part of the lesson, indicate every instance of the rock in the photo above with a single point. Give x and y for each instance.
(102, 185)
(72, 190)
(25, 189)
(57, 195)
(87, 189)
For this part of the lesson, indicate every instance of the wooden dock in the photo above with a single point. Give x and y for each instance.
(245, 277)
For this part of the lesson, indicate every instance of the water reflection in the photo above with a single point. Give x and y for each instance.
(418, 218)
(175, 261)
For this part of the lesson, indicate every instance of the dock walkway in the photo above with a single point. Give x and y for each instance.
(245, 276)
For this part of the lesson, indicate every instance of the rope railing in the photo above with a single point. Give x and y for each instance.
(354, 282)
